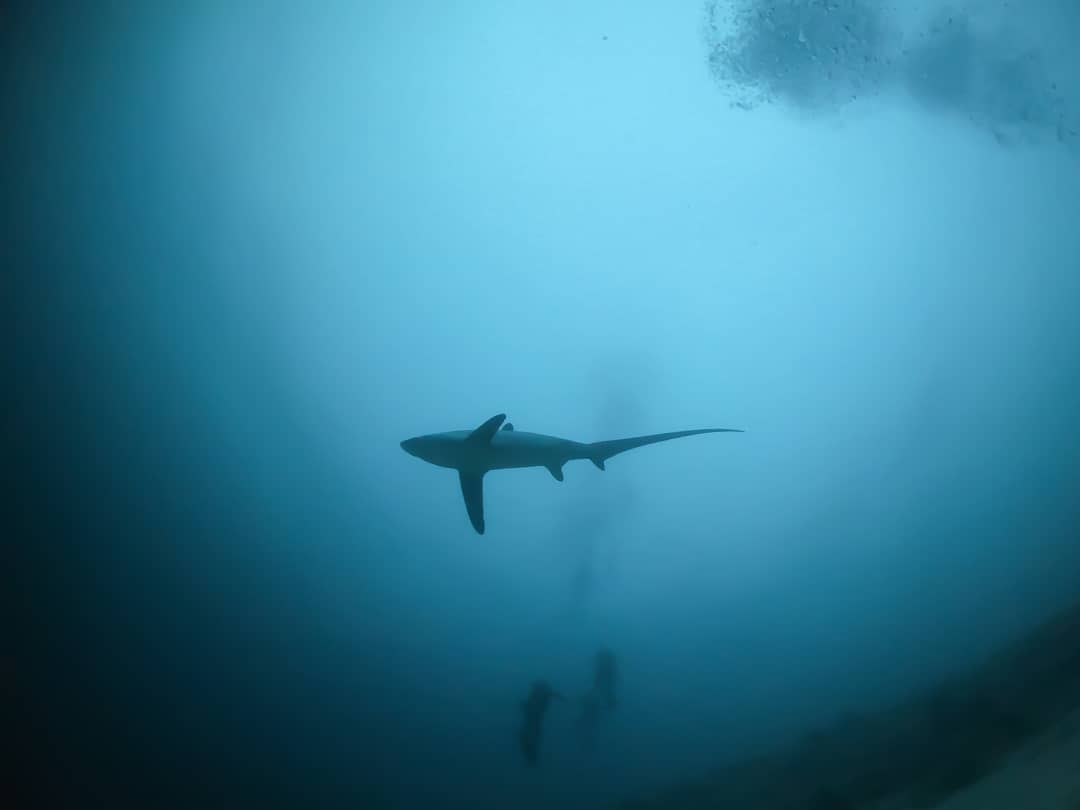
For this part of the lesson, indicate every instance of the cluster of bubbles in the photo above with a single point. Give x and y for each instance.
(813, 54)
(818, 55)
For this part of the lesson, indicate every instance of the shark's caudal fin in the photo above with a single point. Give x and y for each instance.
(599, 452)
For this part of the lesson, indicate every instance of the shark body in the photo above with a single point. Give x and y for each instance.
(474, 453)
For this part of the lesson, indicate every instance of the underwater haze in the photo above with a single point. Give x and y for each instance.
(257, 245)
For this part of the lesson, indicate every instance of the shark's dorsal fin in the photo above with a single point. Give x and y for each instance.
(483, 434)
(508, 426)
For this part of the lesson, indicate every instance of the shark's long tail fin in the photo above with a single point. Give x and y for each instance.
(599, 452)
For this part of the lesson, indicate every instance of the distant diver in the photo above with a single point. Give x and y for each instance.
(600, 700)
(533, 710)
(474, 453)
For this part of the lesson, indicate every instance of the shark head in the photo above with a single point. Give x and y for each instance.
(419, 446)
(436, 448)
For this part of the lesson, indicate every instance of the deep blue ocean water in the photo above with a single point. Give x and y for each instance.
(258, 245)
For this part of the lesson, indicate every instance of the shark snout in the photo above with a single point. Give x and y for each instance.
(409, 446)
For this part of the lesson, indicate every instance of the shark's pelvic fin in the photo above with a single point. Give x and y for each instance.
(484, 433)
(472, 487)
(556, 471)
(599, 452)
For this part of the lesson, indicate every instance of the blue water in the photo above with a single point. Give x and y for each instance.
(261, 244)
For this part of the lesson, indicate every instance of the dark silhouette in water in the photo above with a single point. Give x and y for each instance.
(604, 678)
(497, 446)
(533, 710)
(600, 700)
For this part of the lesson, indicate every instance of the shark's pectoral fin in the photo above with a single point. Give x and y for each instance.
(472, 488)
(556, 471)
(483, 434)
(508, 426)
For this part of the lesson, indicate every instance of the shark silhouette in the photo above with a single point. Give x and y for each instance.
(473, 453)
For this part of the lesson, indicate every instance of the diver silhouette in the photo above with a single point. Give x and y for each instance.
(604, 677)
(600, 700)
(533, 709)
